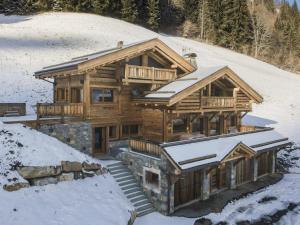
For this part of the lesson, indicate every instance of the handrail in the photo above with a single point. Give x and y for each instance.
(59, 109)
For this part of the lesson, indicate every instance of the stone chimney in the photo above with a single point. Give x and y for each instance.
(191, 58)
(120, 44)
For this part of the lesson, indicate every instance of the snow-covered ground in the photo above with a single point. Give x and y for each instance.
(27, 43)
(88, 201)
(82, 202)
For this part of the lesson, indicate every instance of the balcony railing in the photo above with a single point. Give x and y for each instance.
(145, 147)
(59, 109)
(217, 102)
(135, 73)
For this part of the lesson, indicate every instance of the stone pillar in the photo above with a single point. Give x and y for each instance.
(205, 184)
(171, 206)
(255, 165)
(232, 175)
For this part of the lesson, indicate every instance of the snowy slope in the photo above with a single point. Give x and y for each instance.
(76, 202)
(27, 43)
(90, 201)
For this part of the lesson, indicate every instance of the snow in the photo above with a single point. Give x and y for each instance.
(180, 84)
(29, 43)
(90, 201)
(221, 146)
(28, 147)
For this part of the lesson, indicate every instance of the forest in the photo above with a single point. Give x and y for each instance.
(263, 29)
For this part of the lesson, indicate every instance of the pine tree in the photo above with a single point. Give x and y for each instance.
(215, 8)
(205, 22)
(153, 14)
(58, 5)
(191, 10)
(129, 11)
(100, 6)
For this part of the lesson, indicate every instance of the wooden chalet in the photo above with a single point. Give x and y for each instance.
(160, 106)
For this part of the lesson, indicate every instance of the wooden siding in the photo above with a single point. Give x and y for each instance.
(152, 124)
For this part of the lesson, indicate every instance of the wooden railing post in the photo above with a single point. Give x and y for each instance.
(62, 110)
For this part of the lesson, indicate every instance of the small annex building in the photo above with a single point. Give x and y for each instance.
(175, 126)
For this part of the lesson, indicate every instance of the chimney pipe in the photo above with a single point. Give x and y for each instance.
(120, 44)
(191, 58)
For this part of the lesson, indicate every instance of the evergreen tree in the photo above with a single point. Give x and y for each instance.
(84, 6)
(191, 10)
(215, 8)
(129, 11)
(153, 14)
(205, 22)
(58, 5)
(100, 6)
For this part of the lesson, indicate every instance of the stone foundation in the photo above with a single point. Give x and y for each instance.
(138, 164)
(77, 135)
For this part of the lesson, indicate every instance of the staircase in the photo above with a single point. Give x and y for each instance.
(131, 188)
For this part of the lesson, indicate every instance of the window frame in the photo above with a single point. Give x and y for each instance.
(129, 130)
(153, 187)
(102, 98)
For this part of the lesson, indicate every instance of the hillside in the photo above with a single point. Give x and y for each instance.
(30, 42)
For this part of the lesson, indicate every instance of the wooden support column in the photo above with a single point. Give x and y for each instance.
(206, 126)
(205, 184)
(231, 174)
(273, 161)
(222, 125)
(69, 96)
(86, 95)
(144, 60)
(164, 126)
(209, 89)
(254, 169)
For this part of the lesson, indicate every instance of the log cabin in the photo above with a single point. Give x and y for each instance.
(176, 126)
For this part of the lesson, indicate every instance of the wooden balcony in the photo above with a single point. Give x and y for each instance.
(145, 147)
(59, 110)
(143, 74)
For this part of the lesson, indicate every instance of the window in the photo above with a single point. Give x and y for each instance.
(130, 130)
(112, 132)
(179, 125)
(151, 179)
(61, 94)
(76, 95)
(102, 95)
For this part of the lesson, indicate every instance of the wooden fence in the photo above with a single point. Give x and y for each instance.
(145, 147)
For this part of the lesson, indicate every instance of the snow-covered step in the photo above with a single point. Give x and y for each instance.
(125, 178)
(145, 212)
(125, 188)
(131, 188)
(144, 207)
(135, 194)
(120, 175)
(141, 202)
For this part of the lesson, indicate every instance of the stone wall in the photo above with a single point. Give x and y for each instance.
(138, 163)
(77, 135)
(44, 175)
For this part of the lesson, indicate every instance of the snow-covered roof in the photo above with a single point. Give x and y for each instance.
(213, 150)
(77, 60)
(182, 83)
